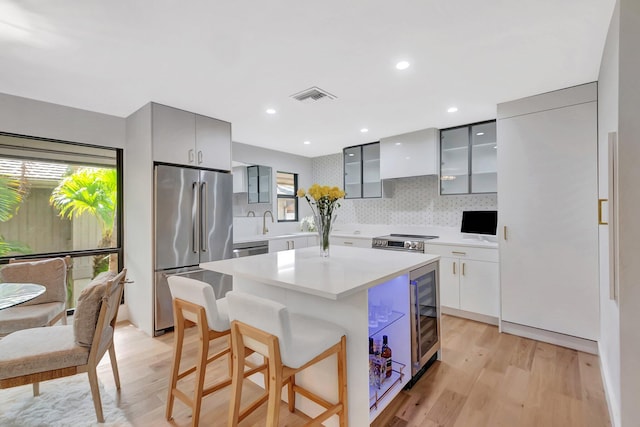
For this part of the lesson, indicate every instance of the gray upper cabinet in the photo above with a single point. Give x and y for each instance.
(213, 143)
(184, 138)
(362, 171)
(468, 159)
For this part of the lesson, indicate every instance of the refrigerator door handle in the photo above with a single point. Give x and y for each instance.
(204, 226)
(194, 209)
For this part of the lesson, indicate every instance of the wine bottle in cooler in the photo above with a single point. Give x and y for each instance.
(386, 354)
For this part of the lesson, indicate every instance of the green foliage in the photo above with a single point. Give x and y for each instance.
(12, 194)
(88, 190)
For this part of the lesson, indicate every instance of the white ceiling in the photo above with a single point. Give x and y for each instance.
(234, 59)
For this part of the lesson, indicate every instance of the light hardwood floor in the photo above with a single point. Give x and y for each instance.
(484, 379)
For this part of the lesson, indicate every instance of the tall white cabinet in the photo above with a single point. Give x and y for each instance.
(548, 212)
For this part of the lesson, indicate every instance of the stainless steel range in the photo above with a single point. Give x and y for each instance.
(402, 242)
(424, 302)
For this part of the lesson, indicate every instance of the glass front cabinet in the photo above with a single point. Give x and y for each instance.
(362, 171)
(259, 184)
(468, 159)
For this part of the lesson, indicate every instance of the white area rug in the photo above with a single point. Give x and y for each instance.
(62, 402)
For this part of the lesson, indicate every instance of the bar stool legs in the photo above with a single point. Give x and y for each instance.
(196, 314)
(243, 335)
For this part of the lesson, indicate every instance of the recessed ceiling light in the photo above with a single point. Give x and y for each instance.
(270, 111)
(452, 109)
(398, 143)
(495, 146)
(480, 133)
(307, 142)
(402, 65)
(408, 158)
(364, 130)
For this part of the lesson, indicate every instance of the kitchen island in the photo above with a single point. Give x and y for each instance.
(366, 291)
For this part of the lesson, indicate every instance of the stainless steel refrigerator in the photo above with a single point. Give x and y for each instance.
(193, 224)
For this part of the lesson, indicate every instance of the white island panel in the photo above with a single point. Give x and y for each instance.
(336, 289)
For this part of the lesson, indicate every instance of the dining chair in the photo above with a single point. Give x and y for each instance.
(48, 308)
(30, 356)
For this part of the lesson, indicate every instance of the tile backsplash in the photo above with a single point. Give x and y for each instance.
(241, 206)
(407, 201)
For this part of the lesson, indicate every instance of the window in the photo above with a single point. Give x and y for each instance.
(60, 199)
(287, 201)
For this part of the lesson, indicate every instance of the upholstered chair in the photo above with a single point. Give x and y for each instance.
(48, 308)
(30, 356)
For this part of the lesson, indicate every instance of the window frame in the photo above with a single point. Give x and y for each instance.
(119, 248)
(287, 197)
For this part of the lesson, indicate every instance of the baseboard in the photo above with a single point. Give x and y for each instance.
(469, 315)
(556, 338)
(606, 384)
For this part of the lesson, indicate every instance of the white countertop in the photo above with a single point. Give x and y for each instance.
(347, 271)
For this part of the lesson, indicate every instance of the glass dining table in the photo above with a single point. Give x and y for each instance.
(16, 293)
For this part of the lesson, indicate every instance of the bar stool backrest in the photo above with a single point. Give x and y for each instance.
(200, 293)
(261, 313)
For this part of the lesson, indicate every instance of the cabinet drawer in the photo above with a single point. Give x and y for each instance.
(351, 241)
(464, 252)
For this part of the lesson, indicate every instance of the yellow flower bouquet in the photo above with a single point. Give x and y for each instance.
(323, 200)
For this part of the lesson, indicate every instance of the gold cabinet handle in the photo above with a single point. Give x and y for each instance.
(454, 268)
(458, 253)
(463, 268)
(504, 232)
(600, 202)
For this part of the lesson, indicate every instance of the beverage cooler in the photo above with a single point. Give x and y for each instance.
(404, 332)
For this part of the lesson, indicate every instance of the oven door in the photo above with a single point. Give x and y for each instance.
(425, 315)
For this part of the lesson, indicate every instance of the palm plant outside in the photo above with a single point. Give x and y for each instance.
(91, 191)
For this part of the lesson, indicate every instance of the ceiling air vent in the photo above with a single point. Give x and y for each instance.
(313, 94)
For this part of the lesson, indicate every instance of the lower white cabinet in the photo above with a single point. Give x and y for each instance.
(288, 243)
(469, 278)
(356, 242)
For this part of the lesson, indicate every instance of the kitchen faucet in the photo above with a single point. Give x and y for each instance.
(265, 230)
(251, 213)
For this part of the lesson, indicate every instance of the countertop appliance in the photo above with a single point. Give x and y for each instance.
(424, 302)
(401, 242)
(193, 224)
(479, 222)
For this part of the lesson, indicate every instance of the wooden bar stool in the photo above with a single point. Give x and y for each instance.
(194, 303)
(291, 343)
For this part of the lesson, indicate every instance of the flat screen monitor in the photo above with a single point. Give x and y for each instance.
(479, 222)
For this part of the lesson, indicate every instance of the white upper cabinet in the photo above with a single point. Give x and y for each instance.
(409, 154)
(239, 179)
(184, 138)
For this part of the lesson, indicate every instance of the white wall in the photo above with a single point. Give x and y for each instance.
(279, 161)
(29, 117)
(629, 210)
(609, 343)
(407, 201)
